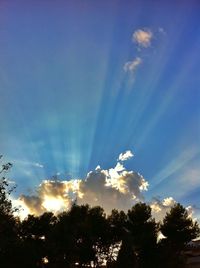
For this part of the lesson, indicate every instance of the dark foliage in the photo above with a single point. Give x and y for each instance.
(179, 229)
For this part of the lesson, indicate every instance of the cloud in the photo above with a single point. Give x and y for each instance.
(142, 38)
(190, 211)
(27, 163)
(113, 188)
(38, 165)
(161, 207)
(131, 66)
(125, 156)
(161, 30)
(116, 187)
(51, 195)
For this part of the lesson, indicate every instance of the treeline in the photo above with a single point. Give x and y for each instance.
(85, 237)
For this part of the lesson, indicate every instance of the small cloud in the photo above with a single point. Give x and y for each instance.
(27, 163)
(161, 30)
(125, 156)
(161, 207)
(190, 211)
(131, 66)
(169, 202)
(142, 38)
(98, 167)
(38, 165)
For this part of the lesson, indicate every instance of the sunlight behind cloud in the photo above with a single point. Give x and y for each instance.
(112, 188)
(54, 204)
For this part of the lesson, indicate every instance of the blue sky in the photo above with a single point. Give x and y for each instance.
(68, 104)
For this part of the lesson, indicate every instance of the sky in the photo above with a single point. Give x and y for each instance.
(83, 82)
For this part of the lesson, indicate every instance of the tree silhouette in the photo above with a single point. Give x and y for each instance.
(116, 221)
(178, 229)
(143, 230)
(8, 223)
(34, 232)
(138, 247)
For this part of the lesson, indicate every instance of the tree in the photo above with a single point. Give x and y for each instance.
(98, 231)
(34, 234)
(80, 236)
(117, 233)
(8, 223)
(5, 191)
(139, 242)
(126, 255)
(178, 229)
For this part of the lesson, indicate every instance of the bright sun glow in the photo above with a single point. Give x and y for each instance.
(53, 204)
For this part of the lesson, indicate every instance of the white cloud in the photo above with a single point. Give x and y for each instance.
(38, 165)
(125, 156)
(142, 37)
(131, 66)
(190, 210)
(27, 163)
(168, 202)
(161, 207)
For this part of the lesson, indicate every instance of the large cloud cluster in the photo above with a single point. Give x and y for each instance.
(112, 188)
